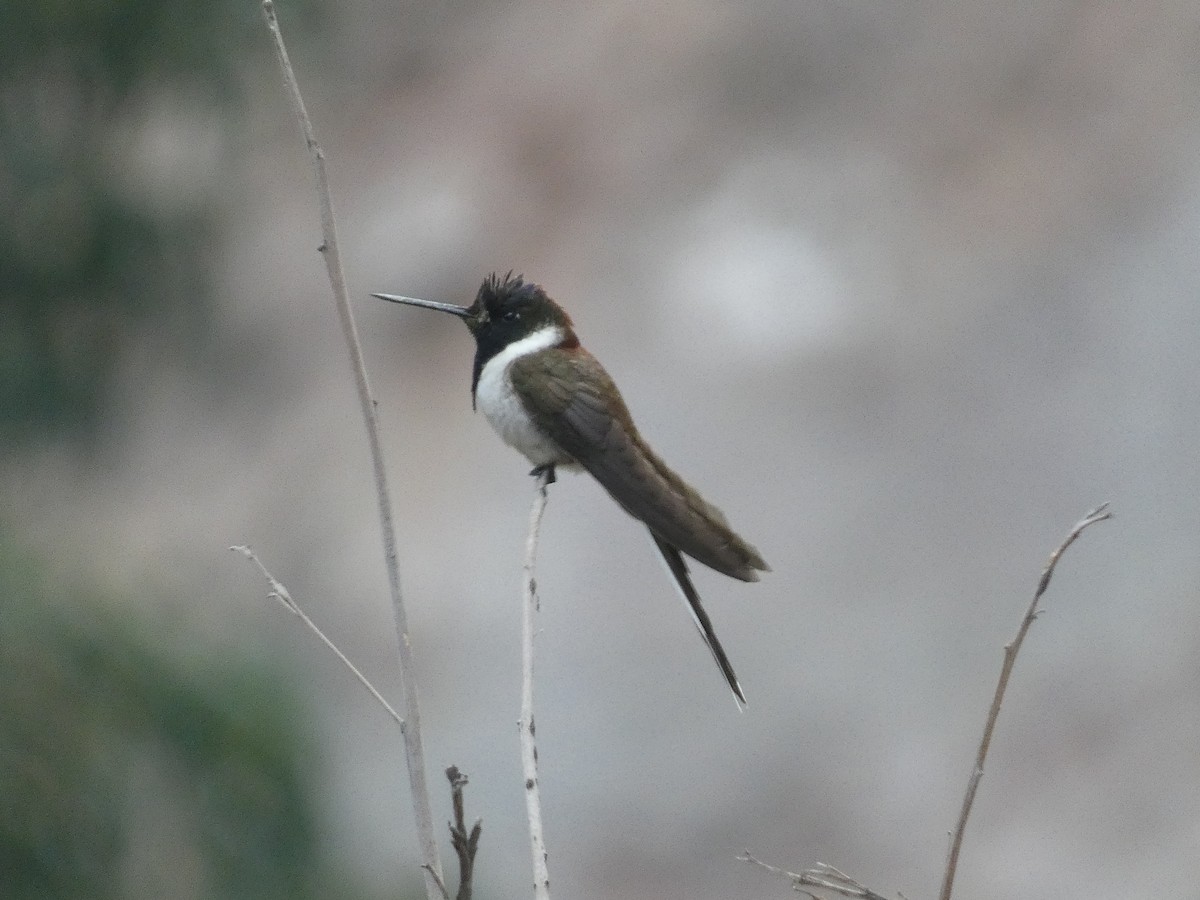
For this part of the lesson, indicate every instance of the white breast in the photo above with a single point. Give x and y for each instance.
(495, 396)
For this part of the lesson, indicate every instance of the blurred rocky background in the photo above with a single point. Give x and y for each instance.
(905, 288)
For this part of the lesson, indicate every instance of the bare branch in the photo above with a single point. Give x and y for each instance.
(533, 800)
(413, 745)
(441, 884)
(749, 857)
(280, 593)
(820, 876)
(1099, 514)
(465, 843)
(826, 877)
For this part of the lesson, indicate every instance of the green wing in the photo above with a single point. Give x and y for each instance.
(591, 422)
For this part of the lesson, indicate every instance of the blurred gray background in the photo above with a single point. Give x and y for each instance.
(904, 288)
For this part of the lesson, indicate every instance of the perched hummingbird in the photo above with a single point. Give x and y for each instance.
(546, 396)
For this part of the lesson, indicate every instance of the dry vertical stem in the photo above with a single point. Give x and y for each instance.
(413, 747)
(533, 800)
(1099, 514)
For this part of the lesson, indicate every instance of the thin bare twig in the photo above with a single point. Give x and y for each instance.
(466, 843)
(441, 884)
(414, 750)
(826, 877)
(1099, 514)
(820, 876)
(280, 593)
(533, 800)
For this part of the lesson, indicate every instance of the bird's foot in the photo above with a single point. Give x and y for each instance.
(547, 470)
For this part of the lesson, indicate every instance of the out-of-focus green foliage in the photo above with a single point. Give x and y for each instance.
(124, 45)
(132, 763)
(139, 768)
(86, 258)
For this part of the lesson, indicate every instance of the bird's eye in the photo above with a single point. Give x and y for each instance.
(510, 315)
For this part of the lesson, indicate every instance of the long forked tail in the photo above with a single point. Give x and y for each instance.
(679, 574)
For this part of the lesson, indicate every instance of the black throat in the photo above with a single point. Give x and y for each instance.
(484, 351)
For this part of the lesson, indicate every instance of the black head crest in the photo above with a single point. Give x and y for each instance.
(512, 297)
(496, 292)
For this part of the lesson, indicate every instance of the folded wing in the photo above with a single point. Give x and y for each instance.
(594, 426)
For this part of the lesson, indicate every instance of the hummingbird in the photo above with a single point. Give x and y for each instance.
(549, 398)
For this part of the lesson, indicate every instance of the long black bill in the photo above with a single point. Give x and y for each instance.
(461, 311)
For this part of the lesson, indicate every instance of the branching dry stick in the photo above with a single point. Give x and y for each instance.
(1099, 514)
(280, 593)
(825, 877)
(465, 843)
(411, 730)
(533, 800)
(821, 876)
